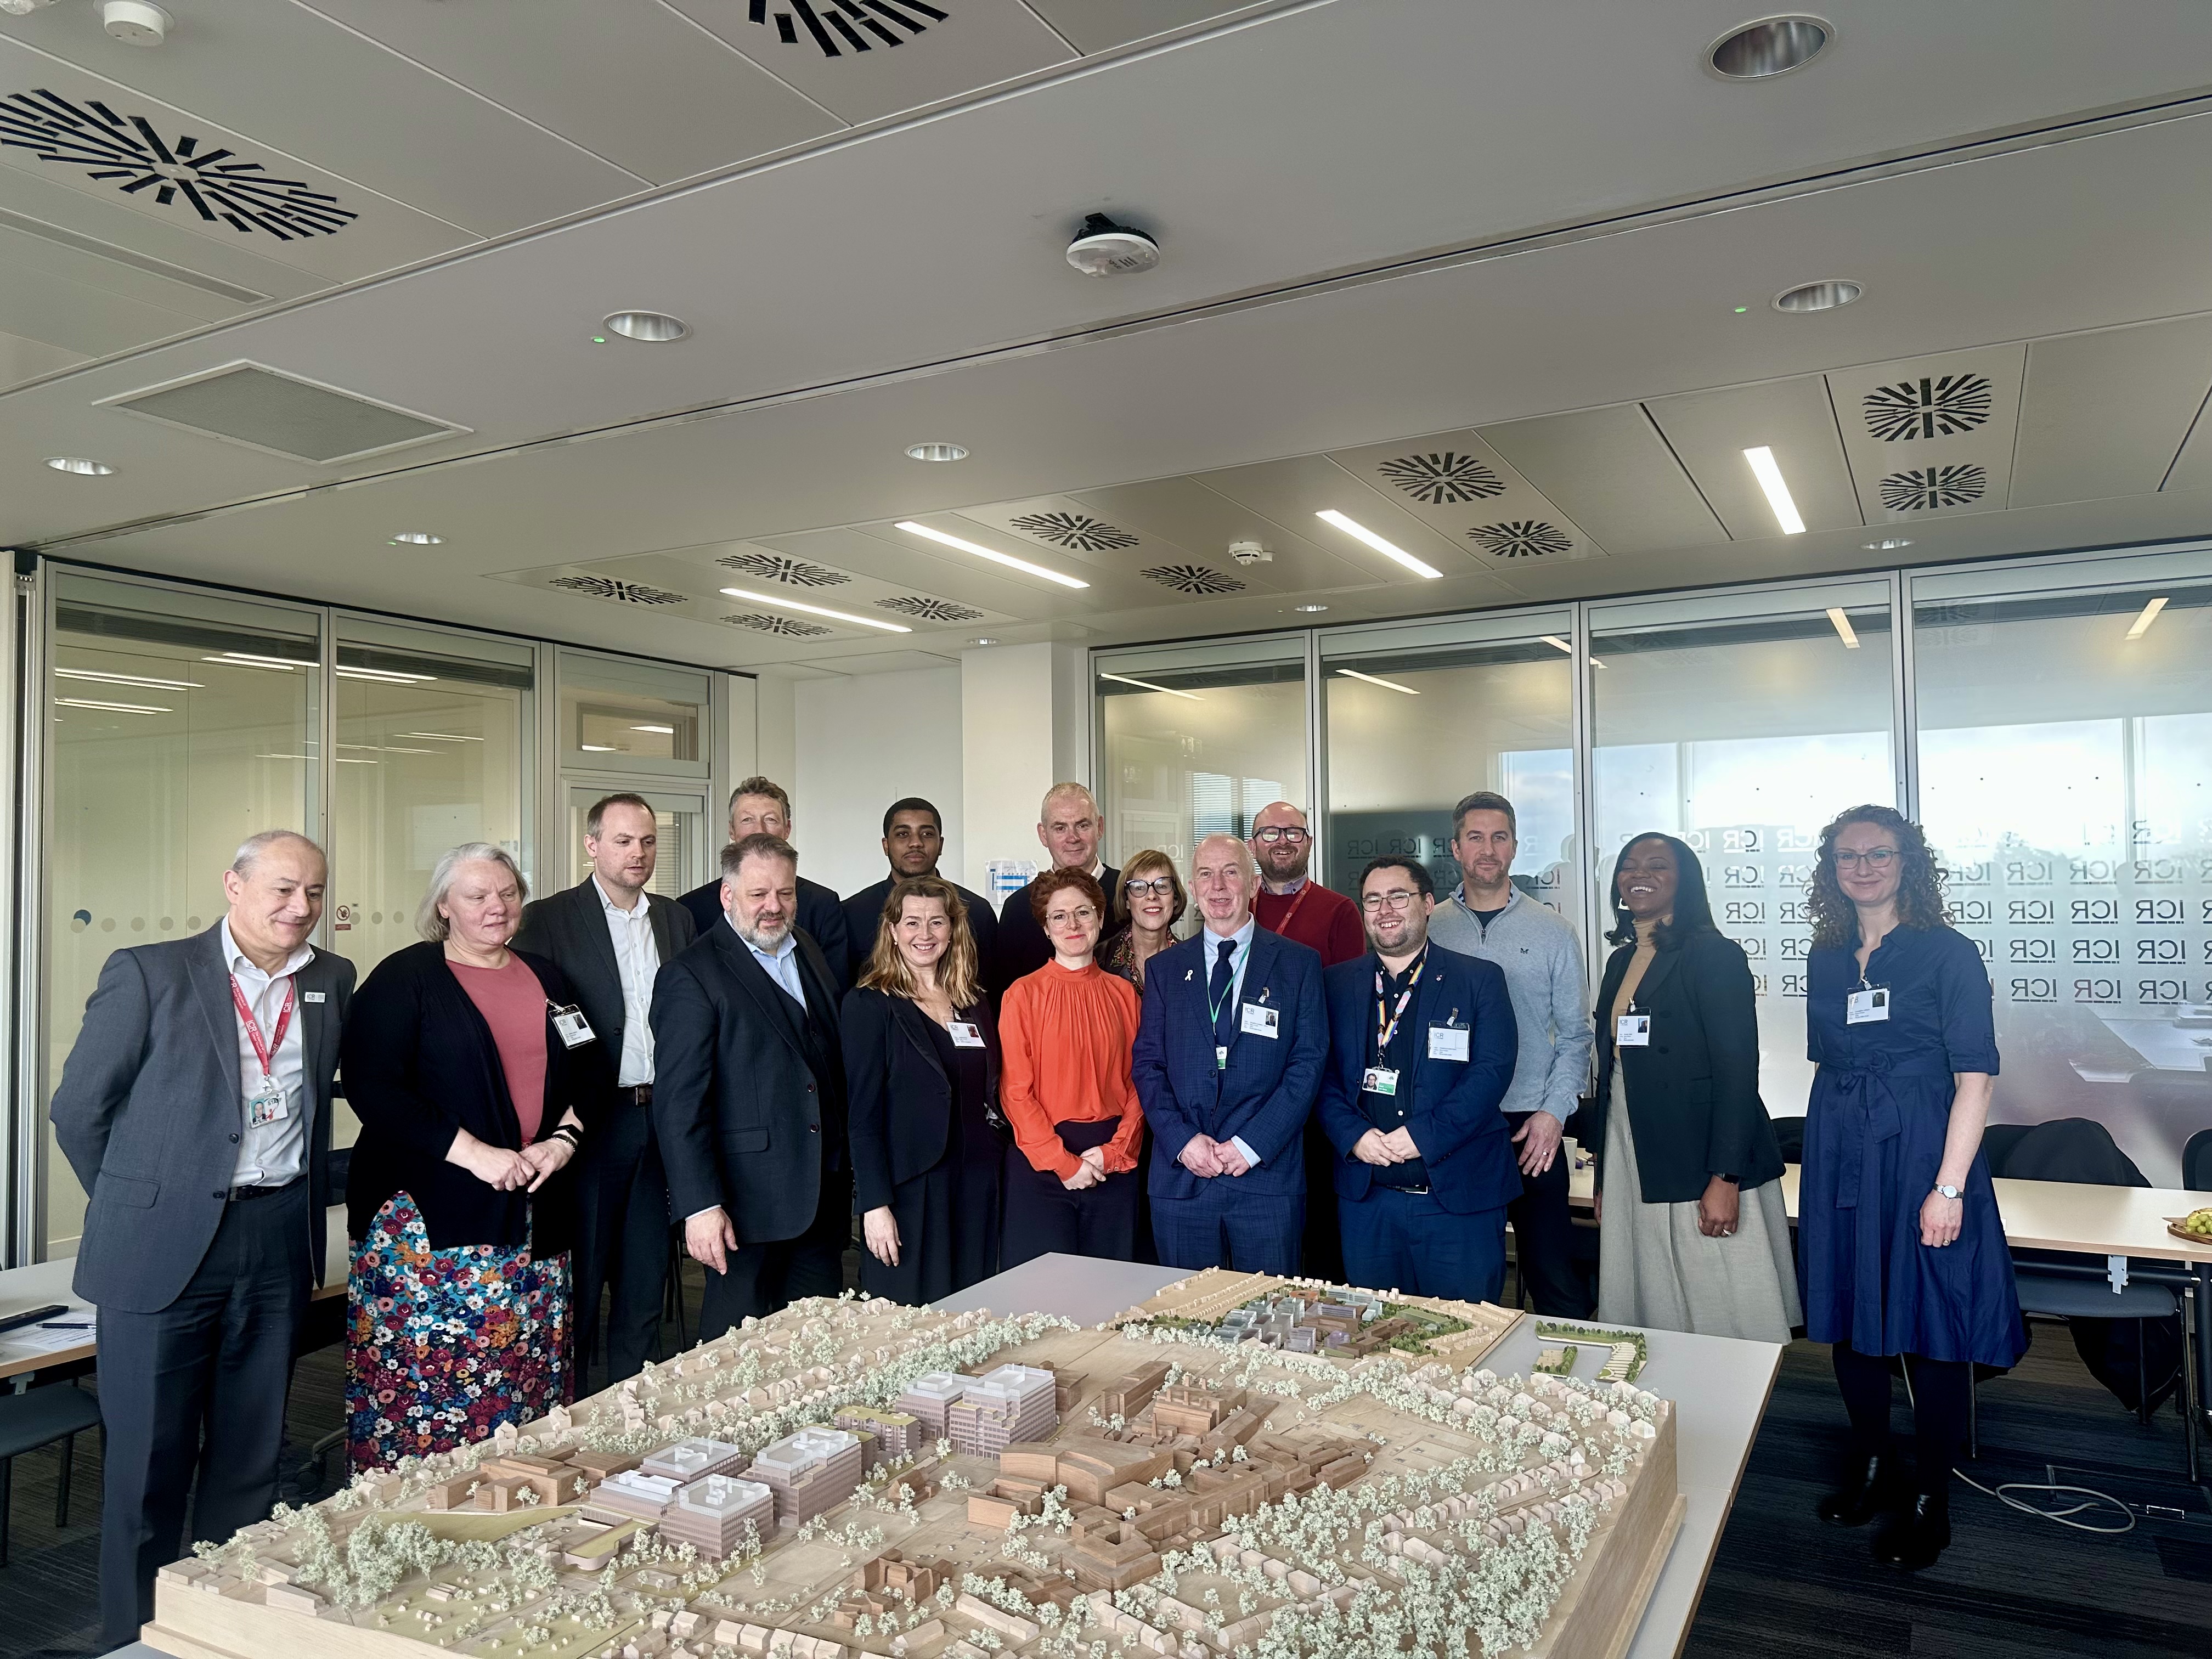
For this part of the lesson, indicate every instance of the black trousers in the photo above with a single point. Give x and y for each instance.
(198, 1389)
(622, 1241)
(1322, 1247)
(1544, 1239)
(1042, 1216)
(764, 1278)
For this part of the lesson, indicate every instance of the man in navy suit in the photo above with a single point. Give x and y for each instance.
(1422, 1046)
(1229, 1055)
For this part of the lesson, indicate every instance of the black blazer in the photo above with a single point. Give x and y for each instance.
(420, 1063)
(899, 1099)
(570, 928)
(1023, 946)
(821, 918)
(863, 915)
(1694, 1101)
(739, 1108)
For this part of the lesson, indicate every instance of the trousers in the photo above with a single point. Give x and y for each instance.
(764, 1278)
(1544, 1241)
(1402, 1241)
(621, 1242)
(1228, 1225)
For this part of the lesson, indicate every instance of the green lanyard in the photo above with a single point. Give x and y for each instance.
(1235, 966)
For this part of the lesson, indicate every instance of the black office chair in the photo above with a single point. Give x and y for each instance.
(1789, 1135)
(1998, 1141)
(2197, 1161)
(60, 1412)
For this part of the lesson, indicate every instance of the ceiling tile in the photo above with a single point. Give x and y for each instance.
(2104, 414)
(75, 264)
(1098, 25)
(24, 360)
(41, 205)
(1463, 488)
(881, 662)
(1611, 473)
(1709, 431)
(1204, 522)
(1931, 437)
(65, 311)
(964, 574)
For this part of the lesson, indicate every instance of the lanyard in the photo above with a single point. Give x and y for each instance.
(1385, 1029)
(1291, 914)
(1212, 1008)
(263, 1050)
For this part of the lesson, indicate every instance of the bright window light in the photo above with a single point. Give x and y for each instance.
(663, 731)
(438, 737)
(112, 707)
(1376, 679)
(1146, 686)
(247, 660)
(1558, 644)
(382, 676)
(1388, 550)
(126, 679)
(783, 603)
(2141, 626)
(1777, 491)
(990, 553)
(1844, 631)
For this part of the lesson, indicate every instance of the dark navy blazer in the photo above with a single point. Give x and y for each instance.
(1266, 1092)
(1464, 1139)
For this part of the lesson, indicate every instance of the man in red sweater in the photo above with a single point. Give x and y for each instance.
(1292, 904)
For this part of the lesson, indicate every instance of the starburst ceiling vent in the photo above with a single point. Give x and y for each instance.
(283, 415)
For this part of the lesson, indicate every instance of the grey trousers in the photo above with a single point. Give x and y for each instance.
(198, 1390)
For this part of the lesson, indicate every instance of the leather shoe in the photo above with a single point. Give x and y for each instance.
(1919, 1536)
(1859, 1500)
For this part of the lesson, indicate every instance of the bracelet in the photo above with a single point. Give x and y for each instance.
(568, 1133)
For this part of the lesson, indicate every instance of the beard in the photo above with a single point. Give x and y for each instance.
(764, 936)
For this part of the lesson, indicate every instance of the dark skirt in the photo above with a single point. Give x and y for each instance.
(1042, 1216)
(948, 1226)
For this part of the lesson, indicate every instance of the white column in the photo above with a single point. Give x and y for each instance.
(1025, 725)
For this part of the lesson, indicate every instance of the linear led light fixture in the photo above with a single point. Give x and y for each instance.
(663, 731)
(1388, 550)
(1777, 491)
(990, 553)
(1844, 631)
(2141, 625)
(247, 660)
(382, 676)
(1556, 642)
(747, 594)
(111, 707)
(1376, 679)
(145, 680)
(1146, 686)
(438, 737)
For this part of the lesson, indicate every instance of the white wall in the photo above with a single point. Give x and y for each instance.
(861, 744)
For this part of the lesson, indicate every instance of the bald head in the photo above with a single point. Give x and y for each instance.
(1067, 827)
(1223, 879)
(1282, 843)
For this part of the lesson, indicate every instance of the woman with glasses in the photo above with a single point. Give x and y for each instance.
(1066, 1031)
(1148, 901)
(1693, 1233)
(1901, 1250)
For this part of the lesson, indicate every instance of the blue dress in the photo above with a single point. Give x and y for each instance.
(1874, 1141)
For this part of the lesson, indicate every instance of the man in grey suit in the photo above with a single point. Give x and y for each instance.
(196, 1110)
(610, 936)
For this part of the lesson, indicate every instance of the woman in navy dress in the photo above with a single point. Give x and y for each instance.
(1900, 1250)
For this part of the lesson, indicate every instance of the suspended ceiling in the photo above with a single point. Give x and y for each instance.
(1495, 282)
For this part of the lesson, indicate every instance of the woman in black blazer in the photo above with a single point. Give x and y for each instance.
(475, 1078)
(1696, 1237)
(921, 1067)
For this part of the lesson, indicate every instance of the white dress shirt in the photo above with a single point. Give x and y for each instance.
(637, 958)
(1243, 940)
(272, 1154)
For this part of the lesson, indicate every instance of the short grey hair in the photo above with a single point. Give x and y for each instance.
(757, 846)
(1245, 861)
(251, 849)
(433, 927)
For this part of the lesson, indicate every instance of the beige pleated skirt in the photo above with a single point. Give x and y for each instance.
(1656, 1269)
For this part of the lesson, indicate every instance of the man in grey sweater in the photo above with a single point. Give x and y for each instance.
(1489, 917)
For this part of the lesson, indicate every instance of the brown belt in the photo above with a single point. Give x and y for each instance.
(637, 1094)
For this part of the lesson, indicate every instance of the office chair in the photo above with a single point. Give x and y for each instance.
(39, 1418)
(2197, 1161)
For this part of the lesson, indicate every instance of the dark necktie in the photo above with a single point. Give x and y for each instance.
(1217, 993)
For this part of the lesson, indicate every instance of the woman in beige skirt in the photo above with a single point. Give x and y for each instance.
(1695, 1236)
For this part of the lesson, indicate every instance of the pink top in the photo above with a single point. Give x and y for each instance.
(513, 1004)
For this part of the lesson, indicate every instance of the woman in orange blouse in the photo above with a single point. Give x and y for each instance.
(1067, 1030)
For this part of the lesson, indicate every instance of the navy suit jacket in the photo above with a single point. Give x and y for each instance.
(1465, 1140)
(1266, 1092)
(821, 918)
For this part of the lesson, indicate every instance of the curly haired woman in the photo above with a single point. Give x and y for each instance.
(1900, 1249)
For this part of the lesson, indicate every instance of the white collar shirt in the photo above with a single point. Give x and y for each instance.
(1242, 938)
(269, 1154)
(637, 959)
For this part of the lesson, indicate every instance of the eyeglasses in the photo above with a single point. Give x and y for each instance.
(1269, 837)
(1396, 899)
(1874, 857)
(1082, 913)
(1158, 886)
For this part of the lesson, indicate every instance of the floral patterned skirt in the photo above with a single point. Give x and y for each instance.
(443, 1347)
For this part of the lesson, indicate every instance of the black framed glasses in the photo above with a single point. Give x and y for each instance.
(1294, 835)
(1874, 857)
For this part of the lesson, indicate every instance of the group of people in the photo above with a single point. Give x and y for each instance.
(1366, 1086)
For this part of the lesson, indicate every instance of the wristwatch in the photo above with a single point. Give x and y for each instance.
(1941, 1191)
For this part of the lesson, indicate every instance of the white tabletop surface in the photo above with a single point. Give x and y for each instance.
(2092, 1220)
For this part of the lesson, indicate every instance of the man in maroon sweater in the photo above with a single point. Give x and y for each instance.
(1292, 904)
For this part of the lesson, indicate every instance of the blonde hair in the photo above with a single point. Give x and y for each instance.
(432, 925)
(957, 971)
(1061, 791)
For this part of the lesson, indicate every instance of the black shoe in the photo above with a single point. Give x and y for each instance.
(1860, 1498)
(1917, 1536)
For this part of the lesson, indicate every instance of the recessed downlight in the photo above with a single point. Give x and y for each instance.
(1817, 296)
(1773, 46)
(936, 452)
(652, 326)
(81, 465)
(415, 538)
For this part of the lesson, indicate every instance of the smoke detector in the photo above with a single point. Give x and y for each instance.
(1103, 248)
(1250, 553)
(134, 23)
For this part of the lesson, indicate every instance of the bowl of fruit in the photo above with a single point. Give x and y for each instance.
(2195, 1226)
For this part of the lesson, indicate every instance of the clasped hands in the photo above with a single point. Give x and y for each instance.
(1090, 1170)
(505, 1170)
(1383, 1150)
(1202, 1155)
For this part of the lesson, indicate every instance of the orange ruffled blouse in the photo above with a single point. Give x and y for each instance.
(1067, 1034)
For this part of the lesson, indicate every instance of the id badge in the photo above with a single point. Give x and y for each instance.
(1379, 1081)
(1864, 1008)
(1447, 1042)
(575, 1030)
(267, 1105)
(1632, 1032)
(964, 1035)
(1259, 1020)
(1220, 1056)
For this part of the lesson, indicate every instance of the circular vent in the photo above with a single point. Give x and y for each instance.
(1193, 579)
(622, 593)
(761, 623)
(837, 27)
(130, 155)
(1442, 479)
(914, 604)
(1076, 529)
(792, 572)
(1520, 539)
(1924, 489)
(1928, 407)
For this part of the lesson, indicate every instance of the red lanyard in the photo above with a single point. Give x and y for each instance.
(1385, 1030)
(1291, 914)
(263, 1050)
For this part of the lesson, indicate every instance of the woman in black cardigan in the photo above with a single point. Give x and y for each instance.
(1696, 1237)
(473, 1077)
(921, 1067)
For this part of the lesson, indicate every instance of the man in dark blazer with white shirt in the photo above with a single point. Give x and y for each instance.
(761, 806)
(610, 937)
(750, 1103)
(195, 1108)
(1229, 1055)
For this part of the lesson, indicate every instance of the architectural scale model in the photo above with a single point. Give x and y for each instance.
(852, 1479)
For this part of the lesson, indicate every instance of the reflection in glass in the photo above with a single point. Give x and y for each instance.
(619, 715)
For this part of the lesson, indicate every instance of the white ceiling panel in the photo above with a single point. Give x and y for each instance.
(1063, 529)
(1099, 25)
(2104, 414)
(892, 556)
(50, 305)
(1929, 437)
(190, 302)
(1105, 588)
(1204, 522)
(883, 662)
(1612, 473)
(1709, 431)
(1463, 488)
(110, 223)
(21, 359)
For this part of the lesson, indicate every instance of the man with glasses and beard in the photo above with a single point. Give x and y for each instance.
(1421, 1048)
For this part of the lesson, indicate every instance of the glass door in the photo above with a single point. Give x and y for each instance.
(688, 850)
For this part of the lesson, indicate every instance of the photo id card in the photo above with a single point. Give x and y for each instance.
(1220, 1056)
(1379, 1081)
(1632, 1032)
(267, 1105)
(1447, 1042)
(575, 1030)
(1259, 1020)
(1863, 1007)
(965, 1034)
